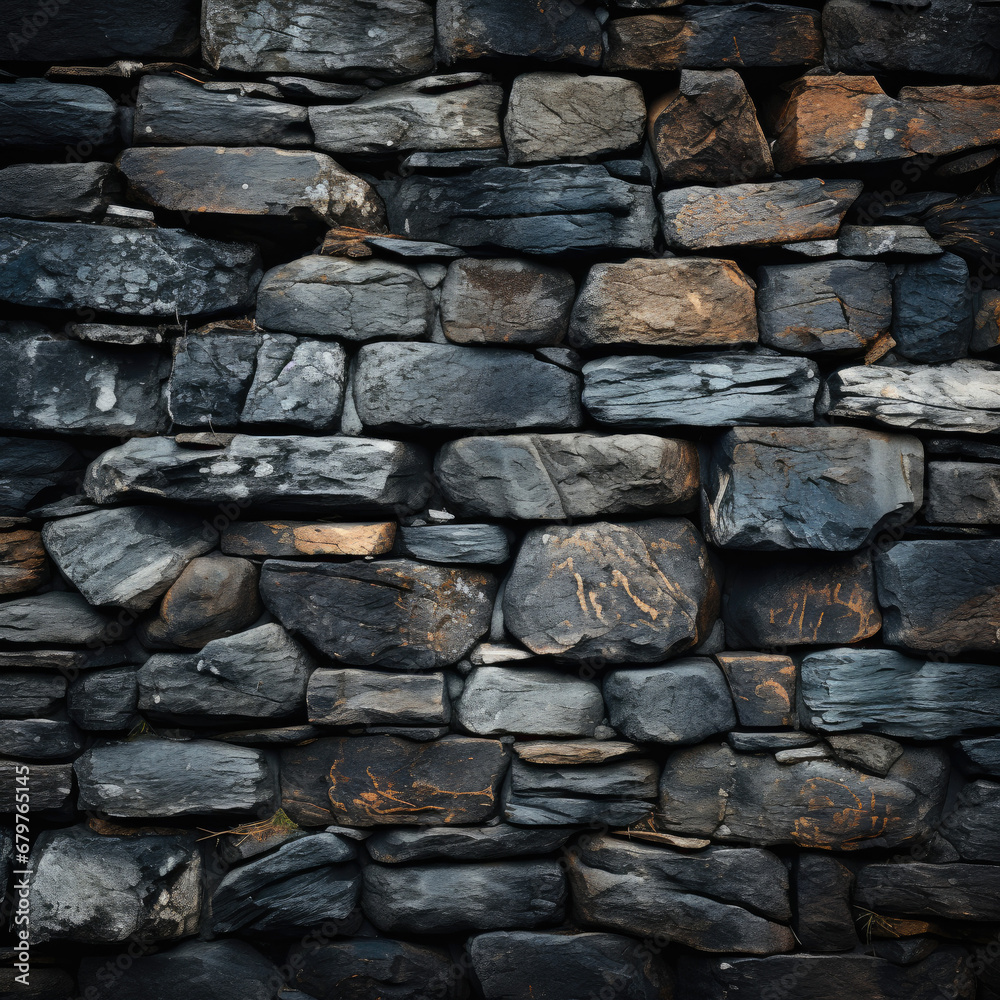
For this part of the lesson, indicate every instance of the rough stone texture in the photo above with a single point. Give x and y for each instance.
(56, 617)
(470, 544)
(55, 190)
(560, 116)
(23, 564)
(886, 241)
(671, 302)
(639, 592)
(956, 891)
(104, 700)
(51, 785)
(971, 824)
(33, 471)
(43, 113)
(763, 687)
(463, 843)
(963, 493)
(29, 695)
(932, 309)
(305, 538)
(352, 697)
(415, 615)
(821, 887)
(827, 488)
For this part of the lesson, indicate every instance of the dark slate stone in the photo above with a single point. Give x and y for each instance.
(209, 377)
(304, 883)
(964, 493)
(685, 701)
(25, 694)
(96, 889)
(55, 190)
(821, 890)
(865, 751)
(68, 662)
(715, 899)
(972, 825)
(50, 785)
(829, 488)
(919, 889)
(63, 385)
(366, 697)
(463, 843)
(467, 544)
(33, 470)
(143, 272)
(882, 691)
(448, 898)
(387, 780)
(763, 686)
(42, 113)
(771, 742)
(129, 556)
(323, 474)
(941, 596)
(400, 387)
(539, 210)
(557, 476)
(701, 390)
(57, 617)
(104, 700)
(933, 314)
(980, 755)
(886, 241)
(158, 777)
(39, 739)
(416, 615)
(510, 965)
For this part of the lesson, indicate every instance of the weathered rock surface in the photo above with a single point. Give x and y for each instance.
(556, 476)
(505, 301)
(39, 739)
(29, 695)
(47, 114)
(668, 302)
(56, 617)
(872, 754)
(414, 615)
(963, 493)
(353, 697)
(821, 890)
(329, 474)
(973, 822)
(386, 780)
(55, 190)
(682, 702)
(33, 471)
(703, 218)
(763, 687)
(306, 538)
(50, 784)
(639, 592)
(463, 843)
(707, 130)
(933, 317)
(104, 700)
(23, 564)
(468, 544)
(882, 691)
(886, 241)
(560, 116)
(701, 390)
(142, 272)
(955, 891)
(826, 488)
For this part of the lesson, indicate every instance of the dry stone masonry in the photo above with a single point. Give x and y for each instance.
(500, 500)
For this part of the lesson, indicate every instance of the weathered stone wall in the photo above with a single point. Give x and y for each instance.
(500, 499)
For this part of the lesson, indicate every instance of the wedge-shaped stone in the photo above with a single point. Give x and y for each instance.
(499, 701)
(366, 697)
(450, 898)
(332, 37)
(562, 116)
(827, 488)
(55, 190)
(556, 476)
(882, 691)
(539, 210)
(683, 702)
(564, 752)
(886, 241)
(434, 114)
(669, 302)
(872, 754)
(934, 313)
(329, 474)
(463, 843)
(158, 777)
(306, 538)
(701, 390)
(416, 616)
(980, 755)
(448, 387)
(386, 780)
(827, 307)
(917, 889)
(355, 300)
(707, 130)
(251, 180)
(963, 493)
(962, 396)
(47, 114)
(752, 35)
(702, 218)
(746, 798)
(34, 471)
(142, 272)
(763, 687)
(96, 889)
(715, 899)
(629, 593)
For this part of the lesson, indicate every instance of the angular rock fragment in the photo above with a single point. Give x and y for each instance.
(763, 687)
(142, 272)
(872, 754)
(556, 476)
(716, 899)
(634, 593)
(355, 300)
(963, 493)
(339, 38)
(702, 218)
(33, 471)
(752, 35)
(463, 843)
(918, 889)
(886, 241)
(933, 311)
(980, 755)
(305, 538)
(961, 396)
(415, 616)
(29, 695)
(47, 114)
(50, 784)
(564, 116)
(251, 180)
(97, 889)
(57, 617)
(364, 697)
(826, 488)
(449, 898)
(386, 780)
(821, 889)
(828, 307)
(23, 564)
(685, 701)
(126, 557)
(104, 700)
(707, 131)
(39, 739)
(539, 210)
(328, 474)
(445, 386)
(505, 301)
(668, 302)
(573, 751)
(701, 390)
(469, 544)
(971, 826)
(55, 190)
(882, 691)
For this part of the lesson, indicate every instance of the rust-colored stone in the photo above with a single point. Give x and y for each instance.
(309, 538)
(568, 752)
(763, 686)
(23, 563)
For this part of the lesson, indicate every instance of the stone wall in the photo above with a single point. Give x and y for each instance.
(500, 499)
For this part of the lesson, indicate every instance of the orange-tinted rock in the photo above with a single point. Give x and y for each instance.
(308, 538)
(23, 563)
(763, 687)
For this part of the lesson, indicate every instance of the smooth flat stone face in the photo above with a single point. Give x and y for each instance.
(352, 697)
